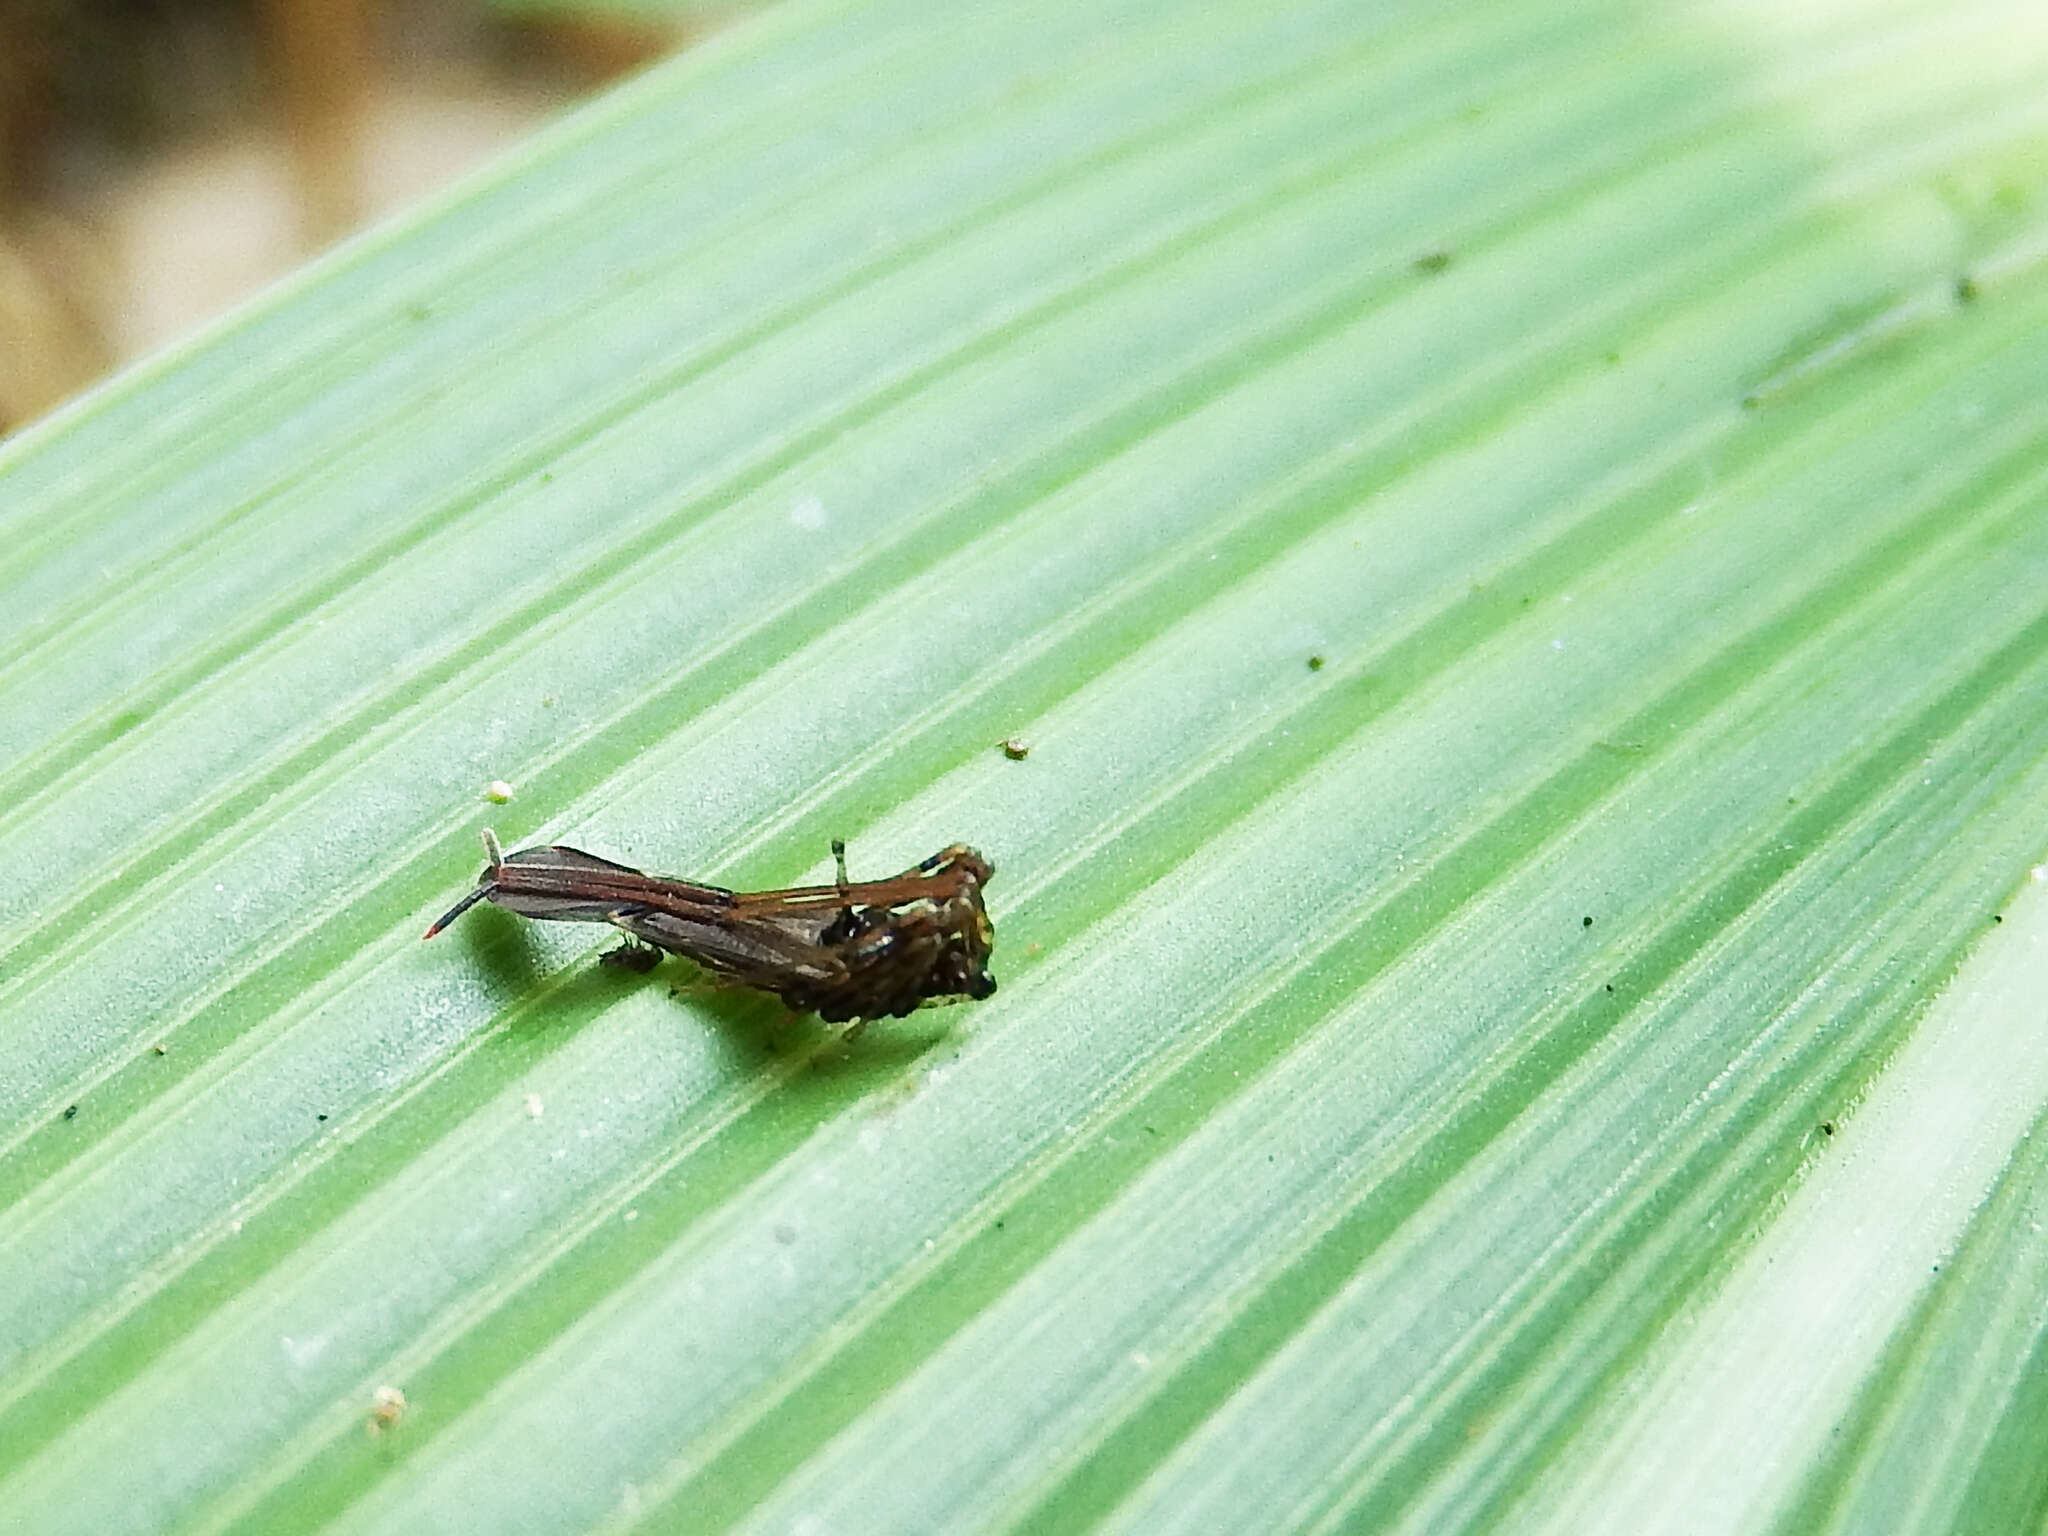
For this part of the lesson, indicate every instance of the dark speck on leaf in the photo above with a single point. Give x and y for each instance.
(1016, 748)
(1966, 290)
(1432, 262)
(71, 1113)
(1315, 663)
(1585, 922)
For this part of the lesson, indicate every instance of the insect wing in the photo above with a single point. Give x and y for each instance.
(569, 885)
(560, 857)
(760, 952)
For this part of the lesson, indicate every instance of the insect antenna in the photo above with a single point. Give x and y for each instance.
(485, 887)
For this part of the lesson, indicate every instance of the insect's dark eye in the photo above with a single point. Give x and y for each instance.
(981, 985)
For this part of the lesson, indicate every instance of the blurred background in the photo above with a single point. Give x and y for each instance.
(160, 160)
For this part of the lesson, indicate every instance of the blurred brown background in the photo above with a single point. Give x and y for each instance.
(162, 159)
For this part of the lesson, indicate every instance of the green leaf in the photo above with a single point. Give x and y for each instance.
(1515, 540)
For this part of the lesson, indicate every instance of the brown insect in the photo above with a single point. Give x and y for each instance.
(843, 951)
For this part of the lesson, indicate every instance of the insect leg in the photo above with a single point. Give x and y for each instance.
(632, 956)
(845, 885)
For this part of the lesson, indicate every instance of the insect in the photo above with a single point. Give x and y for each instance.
(843, 951)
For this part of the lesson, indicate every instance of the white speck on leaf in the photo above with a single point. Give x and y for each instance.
(387, 1407)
